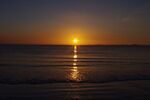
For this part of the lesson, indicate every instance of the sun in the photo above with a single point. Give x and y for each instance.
(75, 40)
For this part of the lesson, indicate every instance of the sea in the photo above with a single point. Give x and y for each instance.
(74, 72)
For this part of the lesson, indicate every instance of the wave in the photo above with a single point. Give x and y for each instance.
(80, 64)
(50, 81)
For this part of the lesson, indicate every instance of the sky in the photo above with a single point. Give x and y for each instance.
(59, 21)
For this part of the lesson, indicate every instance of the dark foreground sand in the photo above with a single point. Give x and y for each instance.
(123, 90)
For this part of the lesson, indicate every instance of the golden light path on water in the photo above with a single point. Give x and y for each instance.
(75, 75)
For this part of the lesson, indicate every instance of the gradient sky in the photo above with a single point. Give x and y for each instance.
(59, 21)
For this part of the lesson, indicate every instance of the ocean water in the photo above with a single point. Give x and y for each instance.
(74, 72)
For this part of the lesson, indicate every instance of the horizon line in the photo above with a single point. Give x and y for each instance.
(77, 44)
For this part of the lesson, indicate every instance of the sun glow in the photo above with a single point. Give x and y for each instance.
(75, 40)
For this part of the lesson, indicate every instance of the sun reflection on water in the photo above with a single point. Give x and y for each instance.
(75, 60)
(75, 47)
(75, 56)
(75, 74)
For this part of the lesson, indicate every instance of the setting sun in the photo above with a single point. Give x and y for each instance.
(75, 40)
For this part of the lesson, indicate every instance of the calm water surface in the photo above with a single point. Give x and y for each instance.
(74, 72)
